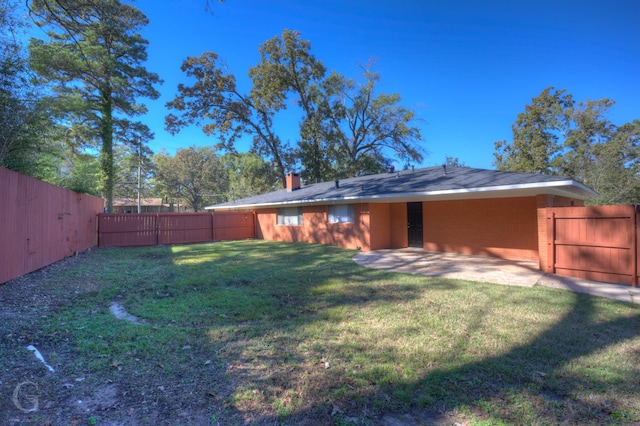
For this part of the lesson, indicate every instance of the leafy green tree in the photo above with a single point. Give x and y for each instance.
(23, 122)
(345, 129)
(453, 161)
(373, 129)
(615, 169)
(536, 135)
(288, 68)
(248, 175)
(194, 175)
(93, 58)
(554, 135)
(128, 160)
(215, 103)
(588, 128)
(80, 173)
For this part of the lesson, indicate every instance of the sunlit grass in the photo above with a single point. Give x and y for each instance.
(285, 330)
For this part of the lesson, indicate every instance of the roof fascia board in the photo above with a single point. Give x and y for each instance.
(498, 188)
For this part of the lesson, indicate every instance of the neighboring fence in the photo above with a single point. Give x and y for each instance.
(131, 230)
(595, 243)
(42, 223)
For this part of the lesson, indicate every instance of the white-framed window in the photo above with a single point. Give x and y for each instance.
(342, 213)
(290, 216)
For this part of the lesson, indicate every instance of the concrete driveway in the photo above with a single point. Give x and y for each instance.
(487, 269)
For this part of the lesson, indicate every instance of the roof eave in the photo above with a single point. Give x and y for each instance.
(565, 188)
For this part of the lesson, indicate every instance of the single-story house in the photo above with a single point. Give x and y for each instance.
(447, 209)
(147, 205)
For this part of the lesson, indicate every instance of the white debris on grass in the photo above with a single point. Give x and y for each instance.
(38, 355)
(120, 313)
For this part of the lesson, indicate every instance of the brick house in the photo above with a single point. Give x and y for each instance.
(147, 205)
(448, 209)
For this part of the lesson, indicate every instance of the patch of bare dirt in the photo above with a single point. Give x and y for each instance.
(31, 394)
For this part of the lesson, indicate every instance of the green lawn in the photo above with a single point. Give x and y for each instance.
(264, 332)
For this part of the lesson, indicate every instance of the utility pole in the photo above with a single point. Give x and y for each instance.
(139, 173)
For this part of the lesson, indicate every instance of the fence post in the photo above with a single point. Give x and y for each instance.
(551, 241)
(634, 237)
(213, 225)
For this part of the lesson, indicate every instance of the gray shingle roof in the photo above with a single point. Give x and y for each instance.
(420, 184)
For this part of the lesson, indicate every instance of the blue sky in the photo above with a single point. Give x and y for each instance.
(466, 67)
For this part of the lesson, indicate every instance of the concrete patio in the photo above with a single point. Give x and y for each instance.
(487, 269)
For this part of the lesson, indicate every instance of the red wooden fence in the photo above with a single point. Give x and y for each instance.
(130, 230)
(595, 243)
(127, 230)
(42, 223)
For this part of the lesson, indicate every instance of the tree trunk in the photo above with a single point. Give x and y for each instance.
(106, 152)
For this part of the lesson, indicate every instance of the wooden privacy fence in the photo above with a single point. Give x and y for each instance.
(595, 243)
(42, 223)
(148, 229)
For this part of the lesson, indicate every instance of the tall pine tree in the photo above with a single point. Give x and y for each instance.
(93, 58)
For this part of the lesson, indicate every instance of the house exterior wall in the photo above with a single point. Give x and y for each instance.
(399, 233)
(388, 225)
(316, 228)
(499, 227)
(511, 228)
(380, 215)
(375, 226)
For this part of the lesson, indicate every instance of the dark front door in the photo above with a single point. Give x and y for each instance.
(414, 222)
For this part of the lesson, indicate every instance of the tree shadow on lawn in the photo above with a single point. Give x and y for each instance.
(541, 381)
(258, 318)
(544, 378)
(264, 294)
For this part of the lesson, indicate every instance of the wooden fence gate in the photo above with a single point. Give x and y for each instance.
(597, 243)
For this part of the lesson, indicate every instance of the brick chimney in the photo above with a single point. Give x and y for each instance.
(293, 181)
